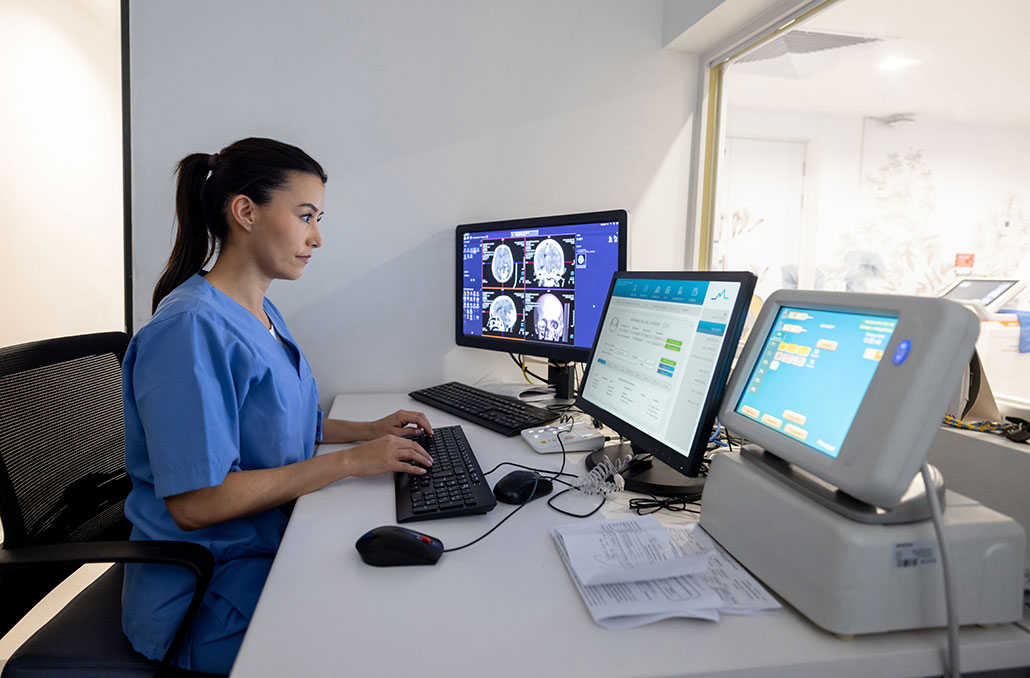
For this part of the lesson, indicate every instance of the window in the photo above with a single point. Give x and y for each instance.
(876, 146)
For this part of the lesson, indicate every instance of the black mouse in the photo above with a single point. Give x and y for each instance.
(518, 487)
(392, 545)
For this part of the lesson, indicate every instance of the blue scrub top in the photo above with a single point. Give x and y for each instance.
(207, 390)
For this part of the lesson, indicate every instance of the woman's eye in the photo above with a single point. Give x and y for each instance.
(306, 218)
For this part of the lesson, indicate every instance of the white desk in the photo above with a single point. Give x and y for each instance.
(507, 607)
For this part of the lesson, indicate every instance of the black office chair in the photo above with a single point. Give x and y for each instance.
(62, 496)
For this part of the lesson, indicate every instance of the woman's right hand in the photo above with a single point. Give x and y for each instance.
(388, 453)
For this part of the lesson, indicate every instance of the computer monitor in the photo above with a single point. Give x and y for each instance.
(536, 286)
(658, 369)
(985, 296)
(850, 387)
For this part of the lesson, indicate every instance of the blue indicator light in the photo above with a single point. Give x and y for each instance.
(901, 352)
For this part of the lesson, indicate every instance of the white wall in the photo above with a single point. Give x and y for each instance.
(60, 169)
(425, 115)
(952, 188)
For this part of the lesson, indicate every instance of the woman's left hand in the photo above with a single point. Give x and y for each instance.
(400, 423)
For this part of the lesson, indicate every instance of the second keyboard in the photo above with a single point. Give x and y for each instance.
(498, 413)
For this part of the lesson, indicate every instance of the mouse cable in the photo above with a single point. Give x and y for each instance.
(485, 534)
(530, 468)
(569, 513)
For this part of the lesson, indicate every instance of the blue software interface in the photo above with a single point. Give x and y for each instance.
(658, 353)
(813, 373)
(545, 285)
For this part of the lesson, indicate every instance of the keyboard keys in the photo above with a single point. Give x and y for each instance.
(495, 412)
(452, 486)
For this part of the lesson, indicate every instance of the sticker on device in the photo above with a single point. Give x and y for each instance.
(915, 553)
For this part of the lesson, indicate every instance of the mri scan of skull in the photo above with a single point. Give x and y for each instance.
(550, 318)
(549, 264)
(502, 314)
(503, 264)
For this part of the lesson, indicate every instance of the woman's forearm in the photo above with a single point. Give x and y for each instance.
(245, 493)
(340, 431)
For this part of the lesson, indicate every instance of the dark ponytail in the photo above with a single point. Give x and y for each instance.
(252, 167)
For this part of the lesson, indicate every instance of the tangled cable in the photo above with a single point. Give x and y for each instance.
(604, 478)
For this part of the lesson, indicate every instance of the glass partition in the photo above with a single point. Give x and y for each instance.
(877, 146)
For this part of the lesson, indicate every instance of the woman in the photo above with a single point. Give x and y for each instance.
(221, 410)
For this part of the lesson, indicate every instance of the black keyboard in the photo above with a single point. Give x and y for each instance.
(504, 415)
(453, 486)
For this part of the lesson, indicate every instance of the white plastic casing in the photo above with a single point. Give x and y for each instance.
(903, 406)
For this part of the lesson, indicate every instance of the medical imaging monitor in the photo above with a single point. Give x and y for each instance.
(850, 387)
(537, 286)
(659, 367)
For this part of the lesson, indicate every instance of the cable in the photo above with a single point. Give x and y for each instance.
(485, 534)
(596, 481)
(949, 584)
(521, 362)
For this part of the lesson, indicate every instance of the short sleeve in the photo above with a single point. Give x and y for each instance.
(186, 385)
(319, 424)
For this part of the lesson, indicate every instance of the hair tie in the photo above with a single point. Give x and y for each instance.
(212, 161)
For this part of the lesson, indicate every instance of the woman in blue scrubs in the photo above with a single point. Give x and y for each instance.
(221, 409)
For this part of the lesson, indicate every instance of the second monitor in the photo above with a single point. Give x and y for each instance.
(659, 367)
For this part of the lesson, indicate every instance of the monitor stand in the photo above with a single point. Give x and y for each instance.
(648, 474)
(563, 377)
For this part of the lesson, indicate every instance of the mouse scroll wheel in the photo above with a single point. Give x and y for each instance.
(425, 539)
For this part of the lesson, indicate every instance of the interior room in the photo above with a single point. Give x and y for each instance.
(789, 162)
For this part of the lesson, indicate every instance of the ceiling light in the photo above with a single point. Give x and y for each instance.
(897, 63)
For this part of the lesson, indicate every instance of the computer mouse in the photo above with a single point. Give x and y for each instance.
(391, 545)
(520, 487)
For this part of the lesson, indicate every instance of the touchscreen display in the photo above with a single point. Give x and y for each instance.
(814, 370)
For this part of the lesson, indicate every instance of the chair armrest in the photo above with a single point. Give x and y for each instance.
(192, 556)
(196, 558)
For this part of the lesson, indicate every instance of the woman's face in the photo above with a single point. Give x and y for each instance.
(286, 227)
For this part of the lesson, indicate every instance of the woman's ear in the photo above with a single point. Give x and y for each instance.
(243, 212)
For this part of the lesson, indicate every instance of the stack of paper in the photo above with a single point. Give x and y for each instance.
(633, 572)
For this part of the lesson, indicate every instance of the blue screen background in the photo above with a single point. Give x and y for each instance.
(597, 243)
(825, 386)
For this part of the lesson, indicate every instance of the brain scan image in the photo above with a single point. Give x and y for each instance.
(549, 264)
(502, 314)
(503, 264)
(550, 317)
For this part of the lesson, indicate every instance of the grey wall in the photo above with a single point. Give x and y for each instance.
(425, 115)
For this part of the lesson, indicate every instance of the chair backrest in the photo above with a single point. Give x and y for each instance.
(62, 454)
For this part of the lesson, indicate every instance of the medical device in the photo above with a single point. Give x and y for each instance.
(840, 396)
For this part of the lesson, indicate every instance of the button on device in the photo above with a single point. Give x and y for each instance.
(425, 539)
(901, 352)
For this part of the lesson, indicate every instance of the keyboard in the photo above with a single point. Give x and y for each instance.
(498, 413)
(453, 486)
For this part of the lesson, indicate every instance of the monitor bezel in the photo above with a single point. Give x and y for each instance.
(559, 353)
(1017, 286)
(688, 464)
(902, 408)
